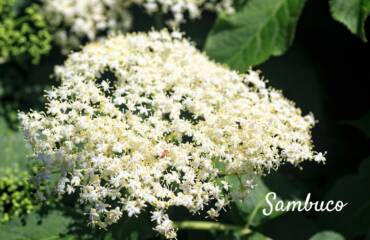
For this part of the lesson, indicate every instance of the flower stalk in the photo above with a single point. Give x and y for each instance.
(212, 226)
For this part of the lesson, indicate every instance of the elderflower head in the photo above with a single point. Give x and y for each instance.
(179, 8)
(168, 131)
(77, 20)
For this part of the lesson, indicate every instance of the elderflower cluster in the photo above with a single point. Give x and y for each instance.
(146, 120)
(76, 21)
(193, 9)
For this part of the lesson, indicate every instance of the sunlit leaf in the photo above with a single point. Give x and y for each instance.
(351, 13)
(262, 28)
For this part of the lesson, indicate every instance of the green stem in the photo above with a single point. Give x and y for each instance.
(253, 214)
(212, 226)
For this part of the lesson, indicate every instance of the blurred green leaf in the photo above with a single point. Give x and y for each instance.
(257, 236)
(354, 219)
(368, 237)
(251, 207)
(327, 235)
(13, 150)
(351, 13)
(262, 28)
(52, 227)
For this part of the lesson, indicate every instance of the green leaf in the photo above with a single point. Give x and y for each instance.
(327, 235)
(13, 151)
(262, 28)
(257, 236)
(351, 13)
(50, 228)
(251, 207)
(354, 219)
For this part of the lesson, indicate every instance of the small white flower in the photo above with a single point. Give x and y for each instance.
(213, 213)
(319, 157)
(98, 160)
(105, 85)
(70, 189)
(118, 148)
(75, 181)
(132, 208)
(249, 184)
(157, 216)
(114, 215)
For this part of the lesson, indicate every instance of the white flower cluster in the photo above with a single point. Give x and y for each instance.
(178, 8)
(77, 20)
(147, 120)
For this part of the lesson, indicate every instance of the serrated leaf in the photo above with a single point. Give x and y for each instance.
(327, 235)
(351, 13)
(262, 28)
(354, 219)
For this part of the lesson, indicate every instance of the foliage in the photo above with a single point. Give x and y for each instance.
(16, 195)
(354, 220)
(16, 191)
(327, 235)
(53, 226)
(262, 28)
(352, 13)
(12, 148)
(23, 32)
